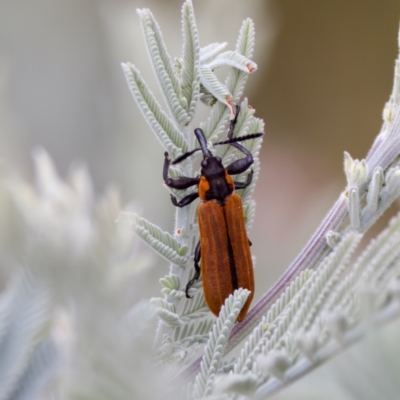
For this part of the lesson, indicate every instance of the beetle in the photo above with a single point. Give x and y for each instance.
(224, 247)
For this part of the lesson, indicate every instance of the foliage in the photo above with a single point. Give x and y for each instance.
(321, 296)
(68, 326)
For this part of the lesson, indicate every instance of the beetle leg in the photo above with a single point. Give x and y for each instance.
(242, 185)
(233, 123)
(185, 201)
(239, 166)
(197, 269)
(182, 182)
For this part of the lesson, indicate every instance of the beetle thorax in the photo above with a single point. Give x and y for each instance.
(211, 168)
(215, 183)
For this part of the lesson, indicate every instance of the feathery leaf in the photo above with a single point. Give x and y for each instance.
(163, 67)
(161, 242)
(233, 59)
(197, 330)
(216, 88)
(216, 123)
(265, 328)
(38, 372)
(190, 74)
(210, 51)
(171, 139)
(245, 46)
(215, 346)
(27, 317)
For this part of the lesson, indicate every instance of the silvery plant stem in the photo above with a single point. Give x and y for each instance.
(182, 218)
(384, 151)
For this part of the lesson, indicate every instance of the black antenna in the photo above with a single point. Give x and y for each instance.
(184, 156)
(240, 138)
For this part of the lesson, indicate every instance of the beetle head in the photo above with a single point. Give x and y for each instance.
(210, 165)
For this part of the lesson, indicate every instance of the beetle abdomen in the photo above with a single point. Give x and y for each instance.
(226, 262)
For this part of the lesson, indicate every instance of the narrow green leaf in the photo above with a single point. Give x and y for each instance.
(210, 51)
(25, 307)
(217, 122)
(171, 286)
(162, 65)
(249, 214)
(198, 328)
(170, 352)
(166, 311)
(183, 250)
(245, 46)
(233, 59)
(190, 74)
(169, 318)
(216, 88)
(196, 303)
(160, 303)
(161, 242)
(38, 373)
(215, 346)
(171, 282)
(171, 139)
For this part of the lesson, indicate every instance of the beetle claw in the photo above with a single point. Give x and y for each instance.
(174, 201)
(188, 296)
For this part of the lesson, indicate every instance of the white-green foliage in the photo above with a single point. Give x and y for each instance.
(162, 242)
(68, 328)
(214, 349)
(164, 68)
(171, 138)
(39, 372)
(190, 72)
(27, 355)
(68, 313)
(270, 323)
(323, 295)
(184, 321)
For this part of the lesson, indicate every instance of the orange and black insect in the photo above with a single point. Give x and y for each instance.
(226, 263)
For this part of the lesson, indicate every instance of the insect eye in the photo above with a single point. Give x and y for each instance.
(204, 163)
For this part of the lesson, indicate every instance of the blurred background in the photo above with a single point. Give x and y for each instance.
(325, 72)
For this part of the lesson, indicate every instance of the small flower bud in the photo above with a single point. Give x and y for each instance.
(333, 238)
(389, 111)
(356, 171)
(276, 363)
(337, 324)
(308, 343)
